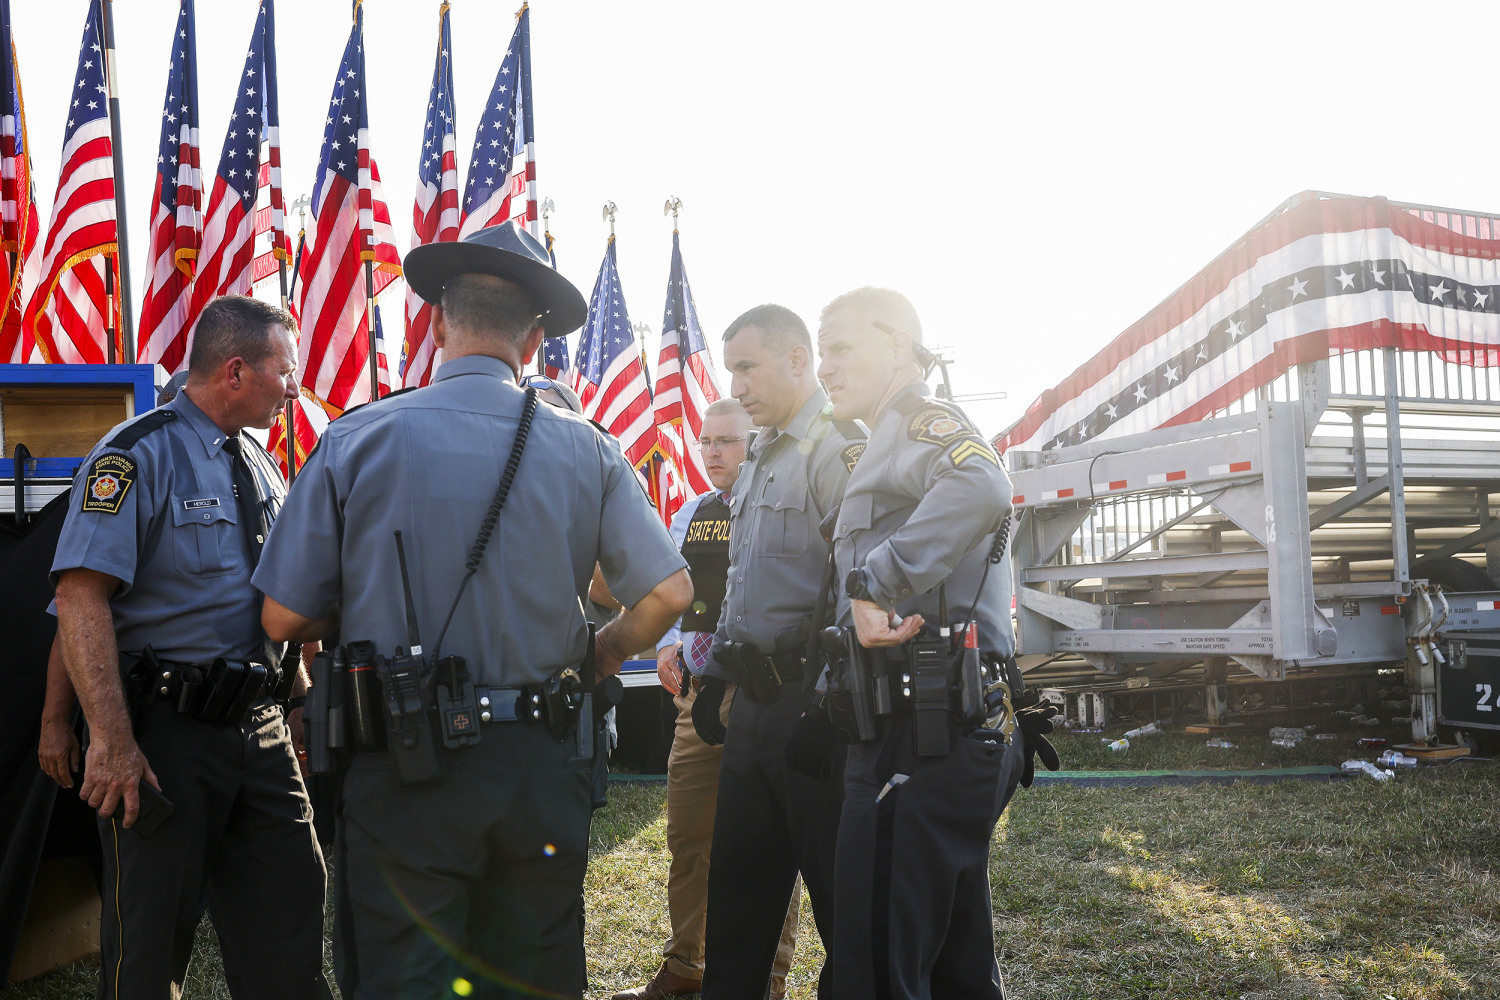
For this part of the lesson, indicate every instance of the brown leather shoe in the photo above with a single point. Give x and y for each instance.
(665, 983)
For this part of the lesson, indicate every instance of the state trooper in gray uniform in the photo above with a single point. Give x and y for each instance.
(770, 821)
(153, 582)
(471, 883)
(916, 536)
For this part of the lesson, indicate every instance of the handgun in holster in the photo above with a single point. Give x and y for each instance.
(750, 669)
(141, 677)
(850, 695)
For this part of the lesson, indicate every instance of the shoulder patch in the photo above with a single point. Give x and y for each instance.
(972, 446)
(938, 425)
(851, 454)
(110, 478)
(128, 436)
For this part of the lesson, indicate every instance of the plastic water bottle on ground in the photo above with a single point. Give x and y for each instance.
(1326, 736)
(1285, 733)
(1368, 768)
(1145, 730)
(1117, 745)
(1395, 758)
(1221, 743)
(1288, 744)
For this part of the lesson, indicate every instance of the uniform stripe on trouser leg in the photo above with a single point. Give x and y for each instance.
(880, 915)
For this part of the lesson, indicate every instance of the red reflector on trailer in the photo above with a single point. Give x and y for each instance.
(1390, 609)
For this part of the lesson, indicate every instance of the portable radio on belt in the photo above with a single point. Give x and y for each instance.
(403, 682)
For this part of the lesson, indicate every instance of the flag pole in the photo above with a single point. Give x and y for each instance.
(122, 256)
(547, 206)
(370, 322)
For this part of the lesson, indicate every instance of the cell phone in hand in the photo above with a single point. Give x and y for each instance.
(155, 809)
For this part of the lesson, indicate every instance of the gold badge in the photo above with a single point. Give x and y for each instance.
(109, 480)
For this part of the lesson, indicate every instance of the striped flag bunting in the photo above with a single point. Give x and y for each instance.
(176, 233)
(1327, 275)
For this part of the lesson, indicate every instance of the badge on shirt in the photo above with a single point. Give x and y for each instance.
(851, 454)
(109, 479)
(937, 426)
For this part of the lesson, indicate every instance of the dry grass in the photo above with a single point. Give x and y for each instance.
(1272, 892)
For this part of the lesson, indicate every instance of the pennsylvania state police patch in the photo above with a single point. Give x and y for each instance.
(936, 425)
(109, 479)
(851, 454)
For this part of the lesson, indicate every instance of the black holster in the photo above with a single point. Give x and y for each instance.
(750, 669)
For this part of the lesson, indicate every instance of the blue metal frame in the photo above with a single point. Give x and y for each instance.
(140, 380)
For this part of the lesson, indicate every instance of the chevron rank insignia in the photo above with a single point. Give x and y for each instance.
(972, 447)
(851, 454)
(937, 426)
(109, 479)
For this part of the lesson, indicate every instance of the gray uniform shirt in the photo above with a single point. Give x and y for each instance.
(427, 463)
(921, 510)
(161, 515)
(790, 480)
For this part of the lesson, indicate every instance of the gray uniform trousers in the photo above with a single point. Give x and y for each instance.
(770, 823)
(241, 826)
(914, 918)
(479, 877)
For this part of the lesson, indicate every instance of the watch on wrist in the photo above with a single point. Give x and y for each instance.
(857, 585)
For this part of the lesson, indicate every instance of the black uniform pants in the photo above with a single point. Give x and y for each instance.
(242, 829)
(479, 877)
(914, 919)
(770, 823)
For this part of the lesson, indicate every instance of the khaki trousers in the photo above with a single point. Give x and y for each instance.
(692, 795)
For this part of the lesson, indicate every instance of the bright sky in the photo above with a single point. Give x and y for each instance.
(1035, 177)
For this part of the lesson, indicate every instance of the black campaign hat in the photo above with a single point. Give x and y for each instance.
(506, 251)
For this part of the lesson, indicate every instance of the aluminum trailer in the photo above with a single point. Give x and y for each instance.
(1339, 516)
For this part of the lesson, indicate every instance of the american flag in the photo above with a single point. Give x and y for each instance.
(227, 265)
(351, 225)
(20, 259)
(554, 349)
(166, 316)
(502, 168)
(684, 377)
(311, 421)
(608, 373)
(68, 310)
(435, 216)
(1324, 275)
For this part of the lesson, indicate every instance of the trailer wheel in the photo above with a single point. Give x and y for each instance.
(1452, 574)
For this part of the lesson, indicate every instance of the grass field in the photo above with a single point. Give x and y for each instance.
(1295, 889)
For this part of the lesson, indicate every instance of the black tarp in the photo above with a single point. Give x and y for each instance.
(35, 820)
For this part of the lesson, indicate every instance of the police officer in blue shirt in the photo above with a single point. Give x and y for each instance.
(771, 822)
(471, 882)
(917, 537)
(152, 572)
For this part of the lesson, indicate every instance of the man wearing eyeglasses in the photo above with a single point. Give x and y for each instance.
(919, 535)
(701, 530)
(772, 822)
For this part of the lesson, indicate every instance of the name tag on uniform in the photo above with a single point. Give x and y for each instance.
(200, 504)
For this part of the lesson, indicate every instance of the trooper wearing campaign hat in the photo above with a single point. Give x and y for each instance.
(470, 882)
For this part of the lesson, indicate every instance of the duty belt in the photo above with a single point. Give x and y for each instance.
(222, 691)
(758, 674)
